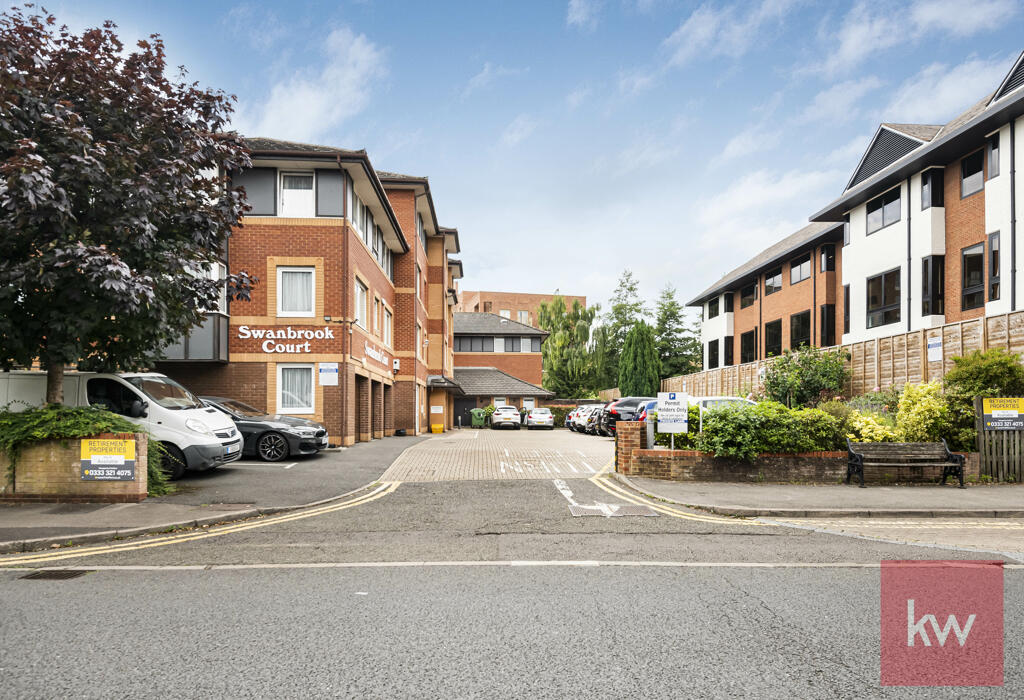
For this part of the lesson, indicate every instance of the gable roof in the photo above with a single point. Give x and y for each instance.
(921, 132)
(261, 144)
(887, 146)
(491, 381)
(769, 257)
(483, 323)
(960, 135)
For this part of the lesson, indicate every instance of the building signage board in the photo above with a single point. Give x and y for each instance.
(673, 412)
(437, 409)
(1003, 414)
(107, 460)
(375, 353)
(287, 339)
(935, 349)
(328, 372)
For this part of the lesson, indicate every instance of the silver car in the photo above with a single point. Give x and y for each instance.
(540, 418)
(505, 417)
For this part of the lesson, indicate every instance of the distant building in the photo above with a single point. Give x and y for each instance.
(515, 306)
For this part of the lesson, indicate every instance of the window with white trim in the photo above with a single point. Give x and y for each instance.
(360, 302)
(295, 389)
(376, 316)
(298, 196)
(296, 291)
(387, 326)
(524, 317)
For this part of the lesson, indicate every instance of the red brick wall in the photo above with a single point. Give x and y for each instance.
(245, 381)
(965, 226)
(512, 301)
(525, 366)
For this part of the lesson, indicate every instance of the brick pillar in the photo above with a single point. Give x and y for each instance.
(378, 409)
(389, 410)
(629, 436)
(363, 408)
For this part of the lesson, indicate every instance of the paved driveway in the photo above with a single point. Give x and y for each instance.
(468, 454)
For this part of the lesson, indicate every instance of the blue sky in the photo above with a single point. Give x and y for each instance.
(569, 140)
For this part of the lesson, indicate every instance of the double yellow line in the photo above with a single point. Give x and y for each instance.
(610, 486)
(56, 555)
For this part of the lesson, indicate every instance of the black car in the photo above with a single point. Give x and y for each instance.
(627, 408)
(271, 438)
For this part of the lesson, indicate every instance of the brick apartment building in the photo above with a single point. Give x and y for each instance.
(336, 329)
(520, 307)
(924, 234)
(497, 361)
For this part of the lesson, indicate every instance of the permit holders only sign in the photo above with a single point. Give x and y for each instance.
(1003, 414)
(108, 460)
(673, 412)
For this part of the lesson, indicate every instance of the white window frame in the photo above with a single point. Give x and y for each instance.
(419, 277)
(280, 193)
(388, 327)
(280, 291)
(500, 401)
(376, 315)
(303, 410)
(520, 315)
(525, 343)
(532, 400)
(505, 313)
(361, 309)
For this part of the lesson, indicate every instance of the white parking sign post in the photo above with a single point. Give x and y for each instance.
(673, 414)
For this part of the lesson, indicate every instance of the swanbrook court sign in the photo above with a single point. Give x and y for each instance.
(271, 336)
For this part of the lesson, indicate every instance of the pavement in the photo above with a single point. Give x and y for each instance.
(838, 501)
(242, 489)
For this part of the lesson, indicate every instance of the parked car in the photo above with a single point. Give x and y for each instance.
(569, 415)
(625, 409)
(582, 414)
(646, 409)
(271, 437)
(602, 419)
(193, 435)
(505, 416)
(540, 418)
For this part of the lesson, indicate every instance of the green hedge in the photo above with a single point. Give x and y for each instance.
(55, 422)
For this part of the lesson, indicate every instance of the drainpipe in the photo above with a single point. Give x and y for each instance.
(1013, 217)
(346, 341)
(815, 266)
(910, 288)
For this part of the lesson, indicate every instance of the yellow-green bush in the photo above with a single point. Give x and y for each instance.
(923, 414)
(865, 427)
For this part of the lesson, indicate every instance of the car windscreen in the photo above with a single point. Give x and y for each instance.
(166, 392)
(242, 409)
(542, 411)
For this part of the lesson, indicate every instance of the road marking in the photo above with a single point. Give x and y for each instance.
(478, 563)
(506, 452)
(569, 464)
(289, 466)
(589, 467)
(606, 485)
(56, 555)
(608, 510)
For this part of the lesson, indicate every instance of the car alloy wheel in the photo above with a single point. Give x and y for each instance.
(172, 461)
(272, 447)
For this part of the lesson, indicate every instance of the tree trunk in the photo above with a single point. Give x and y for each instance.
(55, 382)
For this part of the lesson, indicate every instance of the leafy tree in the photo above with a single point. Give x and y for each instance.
(600, 352)
(112, 194)
(626, 309)
(678, 342)
(568, 364)
(639, 368)
(994, 372)
(806, 377)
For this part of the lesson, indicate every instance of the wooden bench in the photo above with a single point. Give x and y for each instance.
(903, 454)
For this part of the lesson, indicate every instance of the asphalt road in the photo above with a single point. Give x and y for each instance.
(457, 631)
(467, 589)
(294, 481)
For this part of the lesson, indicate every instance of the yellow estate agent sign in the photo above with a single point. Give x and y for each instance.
(1003, 414)
(108, 460)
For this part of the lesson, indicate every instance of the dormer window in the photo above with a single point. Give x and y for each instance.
(297, 200)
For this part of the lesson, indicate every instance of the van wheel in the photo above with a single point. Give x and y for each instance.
(173, 463)
(272, 447)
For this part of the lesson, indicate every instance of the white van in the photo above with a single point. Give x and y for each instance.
(196, 436)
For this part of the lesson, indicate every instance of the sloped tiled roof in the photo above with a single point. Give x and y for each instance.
(491, 381)
(480, 323)
(923, 132)
(262, 144)
(774, 254)
(388, 175)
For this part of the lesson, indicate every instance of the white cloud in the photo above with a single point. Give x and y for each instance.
(647, 149)
(575, 98)
(260, 27)
(518, 130)
(754, 139)
(841, 102)
(761, 207)
(959, 18)
(487, 75)
(312, 102)
(635, 82)
(869, 30)
(582, 14)
(939, 92)
(730, 31)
